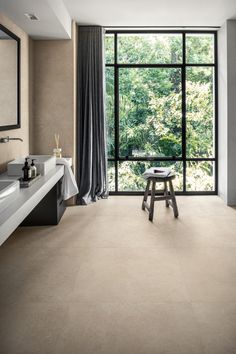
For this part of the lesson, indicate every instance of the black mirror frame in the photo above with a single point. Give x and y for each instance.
(18, 124)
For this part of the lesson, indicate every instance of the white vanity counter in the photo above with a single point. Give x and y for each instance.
(26, 200)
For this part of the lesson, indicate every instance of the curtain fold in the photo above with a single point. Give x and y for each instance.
(91, 125)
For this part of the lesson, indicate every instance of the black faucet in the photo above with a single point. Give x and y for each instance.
(6, 139)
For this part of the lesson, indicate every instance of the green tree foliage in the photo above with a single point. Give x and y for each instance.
(149, 49)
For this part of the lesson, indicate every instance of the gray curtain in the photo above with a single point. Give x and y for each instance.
(91, 127)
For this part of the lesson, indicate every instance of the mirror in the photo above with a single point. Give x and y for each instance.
(9, 80)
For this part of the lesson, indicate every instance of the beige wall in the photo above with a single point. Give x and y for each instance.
(14, 149)
(54, 70)
(48, 97)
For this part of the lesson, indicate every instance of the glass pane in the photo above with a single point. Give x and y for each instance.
(150, 48)
(199, 48)
(200, 176)
(130, 174)
(150, 112)
(109, 48)
(111, 175)
(200, 112)
(110, 115)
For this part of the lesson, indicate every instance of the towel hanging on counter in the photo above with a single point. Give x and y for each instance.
(69, 187)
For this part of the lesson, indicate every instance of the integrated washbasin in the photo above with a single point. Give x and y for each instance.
(8, 191)
(8, 187)
(43, 163)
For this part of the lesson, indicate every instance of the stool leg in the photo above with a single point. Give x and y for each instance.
(172, 192)
(146, 194)
(151, 211)
(166, 193)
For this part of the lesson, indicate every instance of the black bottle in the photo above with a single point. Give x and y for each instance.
(26, 170)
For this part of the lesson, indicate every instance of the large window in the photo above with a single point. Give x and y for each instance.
(161, 108)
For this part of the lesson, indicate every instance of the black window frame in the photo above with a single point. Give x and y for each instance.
(184, 159)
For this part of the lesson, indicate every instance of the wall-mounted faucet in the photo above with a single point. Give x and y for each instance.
(6, 139)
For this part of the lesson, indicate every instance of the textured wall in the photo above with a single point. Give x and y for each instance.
(15, 149)
(54, 95)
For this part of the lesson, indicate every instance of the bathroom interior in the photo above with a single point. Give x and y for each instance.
(99, 251)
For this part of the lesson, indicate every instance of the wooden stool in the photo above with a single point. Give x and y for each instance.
(168, 195)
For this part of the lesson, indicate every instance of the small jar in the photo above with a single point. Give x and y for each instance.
(57, 152)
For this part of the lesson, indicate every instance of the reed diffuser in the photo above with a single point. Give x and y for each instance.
(57, 150)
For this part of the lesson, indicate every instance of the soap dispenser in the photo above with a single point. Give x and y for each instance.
(26, 170)
(33, 169)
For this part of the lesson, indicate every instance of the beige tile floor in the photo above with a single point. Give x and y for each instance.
(106, 280)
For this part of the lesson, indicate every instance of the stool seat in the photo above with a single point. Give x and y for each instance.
(158, 179)
(168, 194)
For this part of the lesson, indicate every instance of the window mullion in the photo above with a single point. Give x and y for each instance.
(116, 96)
(184, 112)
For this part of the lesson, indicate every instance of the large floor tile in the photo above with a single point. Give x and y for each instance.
(41, 280)
(32, 329)
(109, 276)
(217, 323)
(132, 328)
(209, 273)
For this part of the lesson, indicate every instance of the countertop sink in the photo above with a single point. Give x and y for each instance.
(43, 163)
(8, 191)
(7, 188)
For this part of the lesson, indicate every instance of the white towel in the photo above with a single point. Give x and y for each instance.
(157, 172)
(69, 183)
